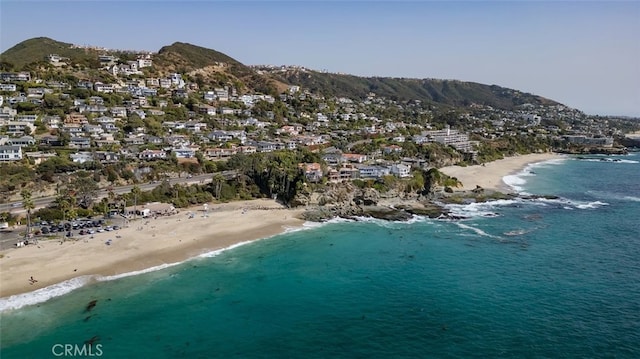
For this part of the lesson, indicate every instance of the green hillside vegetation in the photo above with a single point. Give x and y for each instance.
(448, 92)
(37, 49)
(187, 58)
(211, 68)
(193, 57)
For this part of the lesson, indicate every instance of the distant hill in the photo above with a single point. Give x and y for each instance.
(191, 57)
(448, 92)
(37, 49)
(214, 68)
(211, 64)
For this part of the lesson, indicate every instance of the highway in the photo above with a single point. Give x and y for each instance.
(41, 202)
(10, 238)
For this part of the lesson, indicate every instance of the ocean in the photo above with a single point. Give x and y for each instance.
(544, 278)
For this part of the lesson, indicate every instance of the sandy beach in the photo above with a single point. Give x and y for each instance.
(146, 243)
(489, 176)
(143, 243)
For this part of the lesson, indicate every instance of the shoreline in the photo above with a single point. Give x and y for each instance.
(143, 245)
(152, 244)
(491, 175)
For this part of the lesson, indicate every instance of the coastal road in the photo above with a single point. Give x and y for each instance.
(41, 202)
(8, 238)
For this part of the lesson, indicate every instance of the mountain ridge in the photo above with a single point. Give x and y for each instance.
(217, 68)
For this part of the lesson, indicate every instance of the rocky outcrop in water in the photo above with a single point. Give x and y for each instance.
(345, 200)
(348, 201)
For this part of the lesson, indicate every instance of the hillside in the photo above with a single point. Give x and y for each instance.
(37, 49)
(448, 92)
(212, 65)
(188, 57)
(213, 68)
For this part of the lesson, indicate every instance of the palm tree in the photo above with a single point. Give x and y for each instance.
(218, 180)
(27, 203)
(111, 195)
(135, 191)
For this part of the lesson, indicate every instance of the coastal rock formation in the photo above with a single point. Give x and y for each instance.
(345, 200)
(348, 201)
(367, 197)
(386, 213)
(427, 209)
(301, 199)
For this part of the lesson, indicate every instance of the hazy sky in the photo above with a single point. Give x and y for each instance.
(584, 54)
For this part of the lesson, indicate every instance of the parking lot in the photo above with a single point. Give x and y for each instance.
(68, 229)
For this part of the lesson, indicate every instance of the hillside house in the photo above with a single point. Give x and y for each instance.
(80, 142)
(184, 152)
(10, 153)
(21, 141)
(373, 171)
(152, 155)
(214, 153)
(312, 171)
(400, 170)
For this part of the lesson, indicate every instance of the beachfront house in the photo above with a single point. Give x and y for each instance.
(150, 210)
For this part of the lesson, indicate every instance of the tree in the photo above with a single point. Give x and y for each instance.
(218, 180)
(27, 203)
(86, 190)
(66, 202)
(135, 192)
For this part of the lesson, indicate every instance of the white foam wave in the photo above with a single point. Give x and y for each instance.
(43, 294)
(217, 252)
(631, 198)
(589, 205)
(477, 230)
(543, 164)
(416, 219)
(305, 226)
(130, 274)
(387, 224)
(571, 204)
(607, 160)
(515, 181)
(338, 220)
(482, 209)
(518, 180)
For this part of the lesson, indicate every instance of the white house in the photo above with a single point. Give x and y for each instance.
(184, 152)
(104, 88)
(10, 153)
(401, 170)
(22, 141)
(81, 157)
(152, 155)
(373, 171)
(209, 96)
(144, 62)
(8, 87)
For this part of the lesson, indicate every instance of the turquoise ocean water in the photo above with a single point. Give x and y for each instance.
(519, 279)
